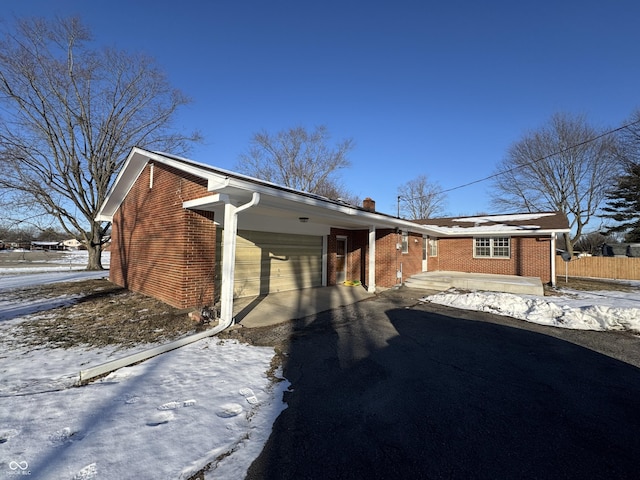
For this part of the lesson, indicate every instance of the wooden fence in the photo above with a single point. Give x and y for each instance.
(617, 268)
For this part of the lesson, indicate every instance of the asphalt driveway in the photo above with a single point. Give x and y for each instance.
(387, 388)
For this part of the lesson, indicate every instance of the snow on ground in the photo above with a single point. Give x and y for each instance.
(602, 310)
(70, 267)
(167, 417)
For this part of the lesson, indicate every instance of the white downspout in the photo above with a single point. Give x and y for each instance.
(226, 299)
(230, 232)
(553, 259)
(371, 287)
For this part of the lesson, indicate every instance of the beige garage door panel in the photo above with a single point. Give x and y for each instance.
(274, 262)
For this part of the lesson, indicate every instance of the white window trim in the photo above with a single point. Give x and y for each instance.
(432, 247)
(491, 247)
(404, 248)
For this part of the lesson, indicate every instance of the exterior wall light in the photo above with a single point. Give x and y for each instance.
(303, 219)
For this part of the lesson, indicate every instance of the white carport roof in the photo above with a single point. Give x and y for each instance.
(275, 200)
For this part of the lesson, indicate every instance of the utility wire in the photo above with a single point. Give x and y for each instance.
(571, 147)
(597, 137)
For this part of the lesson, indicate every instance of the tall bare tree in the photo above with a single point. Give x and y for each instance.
(300, 159)
(70, 113)
(420, 199)
(565, 166)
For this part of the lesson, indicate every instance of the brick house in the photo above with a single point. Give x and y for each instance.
(191, 234)
(513, 244)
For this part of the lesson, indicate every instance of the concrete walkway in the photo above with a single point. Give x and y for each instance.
(275, 308)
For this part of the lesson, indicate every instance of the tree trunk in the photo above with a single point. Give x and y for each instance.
(568, 243)
(94, 247)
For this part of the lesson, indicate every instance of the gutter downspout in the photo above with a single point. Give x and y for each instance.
(229, 233)
(226, 299)
(553, 259)
(371, 282)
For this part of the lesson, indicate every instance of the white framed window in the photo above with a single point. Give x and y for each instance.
(433, 247)
(405, 242)
(492, 247)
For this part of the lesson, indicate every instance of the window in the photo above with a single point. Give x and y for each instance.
(433, 247)
(492, 247)
(405, 242)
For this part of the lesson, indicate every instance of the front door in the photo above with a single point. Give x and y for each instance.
(341, 260)
(425, 254)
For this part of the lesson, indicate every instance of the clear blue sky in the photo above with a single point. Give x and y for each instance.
(436, 88)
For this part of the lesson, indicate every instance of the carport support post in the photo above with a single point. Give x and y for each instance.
(371, 282)
(228, 262)
(229, 236)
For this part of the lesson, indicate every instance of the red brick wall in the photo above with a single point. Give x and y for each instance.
(357, 254)
(530, 257)
(389, 258)
(161, 249)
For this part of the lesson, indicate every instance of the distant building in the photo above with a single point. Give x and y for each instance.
(73, 244)
(621, 250)
(37, 245)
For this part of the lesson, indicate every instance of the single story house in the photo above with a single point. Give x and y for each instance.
(191, 235)
(38, 245)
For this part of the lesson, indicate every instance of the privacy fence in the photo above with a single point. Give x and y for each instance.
(617, 268)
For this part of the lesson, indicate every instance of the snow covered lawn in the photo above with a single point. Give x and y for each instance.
(209, 403)
(595, 310)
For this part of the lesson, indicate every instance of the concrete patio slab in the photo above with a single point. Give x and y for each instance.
(477, 281)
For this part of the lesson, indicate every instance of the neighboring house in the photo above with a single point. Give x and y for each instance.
(73, 244)
(621, 250)
(37, 245)
(189, 234)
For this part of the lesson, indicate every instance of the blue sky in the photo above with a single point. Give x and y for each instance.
(436, 88)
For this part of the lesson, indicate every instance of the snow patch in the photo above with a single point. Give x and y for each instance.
(576, 310)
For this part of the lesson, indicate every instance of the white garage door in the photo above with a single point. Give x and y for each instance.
(275, 262)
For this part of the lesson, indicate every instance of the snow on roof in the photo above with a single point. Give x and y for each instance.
(517, 217)
(516, 222)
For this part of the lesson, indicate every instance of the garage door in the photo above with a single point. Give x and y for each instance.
(274, 262)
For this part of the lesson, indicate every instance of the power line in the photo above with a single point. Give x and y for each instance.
(597, 137)
(579, 144)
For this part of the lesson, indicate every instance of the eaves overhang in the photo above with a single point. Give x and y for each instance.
(504, 231)
(239, 189)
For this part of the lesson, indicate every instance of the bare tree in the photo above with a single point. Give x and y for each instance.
(592, 242)
(70, 114)
(420, 199)
(565, 166)
(299, 159)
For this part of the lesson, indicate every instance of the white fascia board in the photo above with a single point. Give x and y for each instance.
(133, 166)
(471, 232)
(211, 199)
(130, 171)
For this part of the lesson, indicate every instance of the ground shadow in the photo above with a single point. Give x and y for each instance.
(406, 393)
